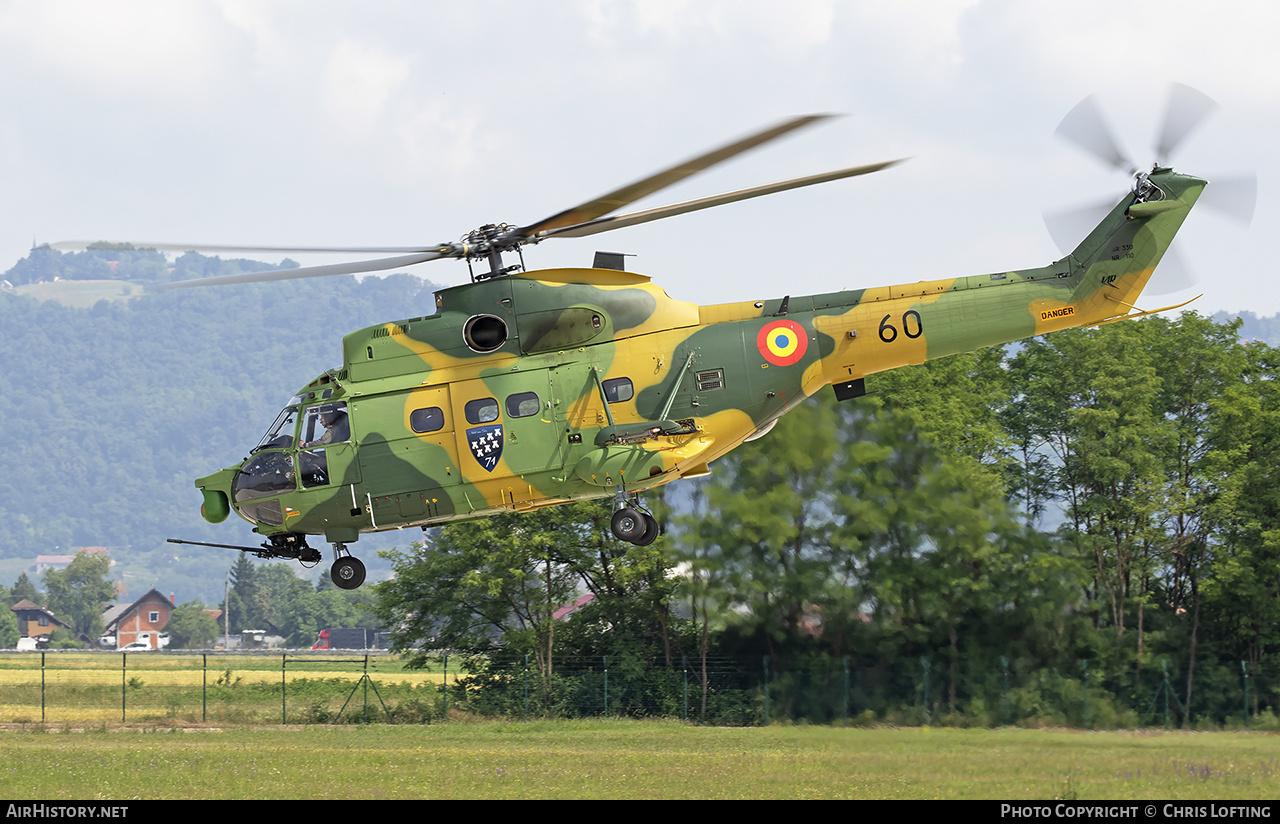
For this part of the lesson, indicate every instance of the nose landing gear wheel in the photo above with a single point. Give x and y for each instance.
(347, 572)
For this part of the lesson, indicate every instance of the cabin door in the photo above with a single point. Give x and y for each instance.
(505, 426)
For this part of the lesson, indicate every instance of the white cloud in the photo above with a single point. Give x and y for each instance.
(152, 49)
(328, 121)
(359, 80)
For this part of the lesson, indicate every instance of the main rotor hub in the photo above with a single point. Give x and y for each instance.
(480, 242)
(489, 242)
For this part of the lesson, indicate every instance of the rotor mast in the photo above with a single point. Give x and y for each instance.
(489, 242)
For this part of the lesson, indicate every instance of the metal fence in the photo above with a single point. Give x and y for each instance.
(308, 687)
(294, 687)
(754, 690)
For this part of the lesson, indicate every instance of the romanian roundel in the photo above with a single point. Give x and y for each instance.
(782, 342)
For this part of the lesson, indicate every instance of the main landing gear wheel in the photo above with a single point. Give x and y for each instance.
(347, 572)
(650, 531)
(634, 527)
(628, 525)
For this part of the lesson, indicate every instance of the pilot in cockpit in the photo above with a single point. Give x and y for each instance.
(336, 427)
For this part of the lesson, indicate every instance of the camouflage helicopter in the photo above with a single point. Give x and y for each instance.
(526, 389)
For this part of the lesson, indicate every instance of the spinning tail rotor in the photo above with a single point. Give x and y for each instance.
(1186, 110)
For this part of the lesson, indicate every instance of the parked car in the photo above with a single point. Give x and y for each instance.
(138, 646)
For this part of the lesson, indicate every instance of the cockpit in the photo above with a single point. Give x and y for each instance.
(280, 435)
(290, 485)
(292, 455)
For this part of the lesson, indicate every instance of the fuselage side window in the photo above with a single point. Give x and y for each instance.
(481, 410)
(313, 468)
(617, 390)
(428, 419)
(523, 404)
(325, 424)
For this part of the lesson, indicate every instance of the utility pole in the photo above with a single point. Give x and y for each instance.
(226, 611)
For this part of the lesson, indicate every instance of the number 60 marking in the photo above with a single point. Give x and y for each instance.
(889, 332)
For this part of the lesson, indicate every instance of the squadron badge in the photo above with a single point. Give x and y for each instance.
(486, 444)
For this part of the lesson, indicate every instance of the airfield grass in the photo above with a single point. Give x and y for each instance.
(102, 688)
(617, 759)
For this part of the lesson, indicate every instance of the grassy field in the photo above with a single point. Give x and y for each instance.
(171, 688)
(81, 294)
(633, 760)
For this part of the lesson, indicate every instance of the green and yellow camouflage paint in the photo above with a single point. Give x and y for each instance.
(535, 389)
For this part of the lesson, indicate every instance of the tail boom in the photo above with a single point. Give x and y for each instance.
(1100, 281)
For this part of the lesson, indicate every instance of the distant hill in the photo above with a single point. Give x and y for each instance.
(1253, 327)
(122, 261)
(115, 398)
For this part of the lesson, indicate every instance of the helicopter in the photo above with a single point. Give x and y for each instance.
(525, 389)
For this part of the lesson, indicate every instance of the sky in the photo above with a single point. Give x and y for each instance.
(334, 122)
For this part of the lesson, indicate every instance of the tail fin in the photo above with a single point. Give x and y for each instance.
(1115, 262)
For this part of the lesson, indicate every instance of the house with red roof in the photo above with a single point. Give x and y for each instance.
(143, 620)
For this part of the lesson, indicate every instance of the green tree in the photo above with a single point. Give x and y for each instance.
(955, 403)
(500, 580)
(1241, 593)
(846, 531)
(77, 594)
(8, 629)
(248, 603)
(1193, 399)
(703, 569)
(770, 517)
(1087, 400)
(1140, 431)
(191, 627)
(941, 561)
(23, 588)
(300, 610)
(482, 582)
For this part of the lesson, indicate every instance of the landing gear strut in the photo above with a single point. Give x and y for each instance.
(347, 571)
(632, 524)
(289, 545)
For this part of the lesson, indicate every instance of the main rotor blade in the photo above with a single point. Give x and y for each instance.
(1187, 108)
(1085, 126)
(603, 205)
(214, 247)
(353, 268)
(606, 224)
